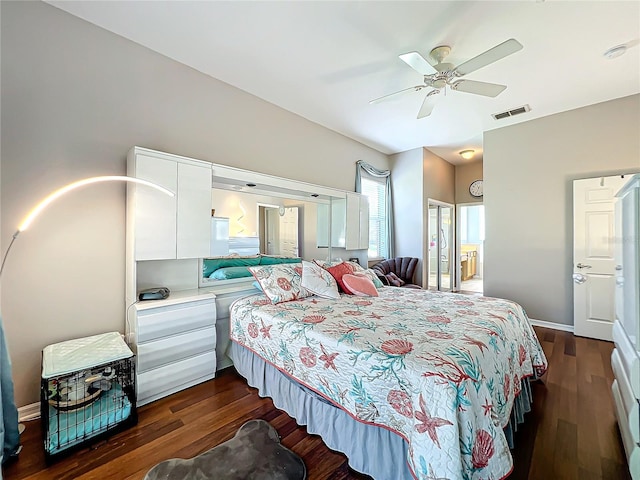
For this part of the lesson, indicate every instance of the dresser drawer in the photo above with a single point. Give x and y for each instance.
(174, 377)
(162, 322)
(171, 349)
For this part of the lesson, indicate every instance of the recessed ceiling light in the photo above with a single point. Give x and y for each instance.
(615, 52)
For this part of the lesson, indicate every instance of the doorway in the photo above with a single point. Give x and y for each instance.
(471, 247)
(440, 237)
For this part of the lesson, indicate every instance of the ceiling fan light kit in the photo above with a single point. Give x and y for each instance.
(438, 74)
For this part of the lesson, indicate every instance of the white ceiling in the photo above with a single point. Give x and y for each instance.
(324, 60)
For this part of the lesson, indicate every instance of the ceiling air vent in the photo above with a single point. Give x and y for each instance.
(511, 113)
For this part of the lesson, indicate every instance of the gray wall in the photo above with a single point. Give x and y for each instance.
(408, 205)
(439, 184)
(438, 178)
(529, 170)
(75, 99)
(418, 175)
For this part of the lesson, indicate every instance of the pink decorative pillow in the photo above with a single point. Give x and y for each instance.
(338, 271)
(359, 285)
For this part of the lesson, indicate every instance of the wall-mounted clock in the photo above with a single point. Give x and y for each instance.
(475, 189)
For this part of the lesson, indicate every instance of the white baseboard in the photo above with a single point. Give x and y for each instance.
(29, 412)
(552, 325)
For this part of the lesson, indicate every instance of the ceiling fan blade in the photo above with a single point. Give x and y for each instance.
(418, 63)
(428, 104)
(388, 97)
(479, 88)
(492, 55)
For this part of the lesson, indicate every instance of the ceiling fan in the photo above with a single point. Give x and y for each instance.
(439, 75)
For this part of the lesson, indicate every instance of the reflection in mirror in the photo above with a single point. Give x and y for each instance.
(279, 231)
(258, 223)
(334, 216)
(275, 216)
(268, 224)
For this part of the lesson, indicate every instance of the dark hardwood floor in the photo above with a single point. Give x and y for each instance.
(570, 434)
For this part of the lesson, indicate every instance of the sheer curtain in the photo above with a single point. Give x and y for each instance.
(361, 167)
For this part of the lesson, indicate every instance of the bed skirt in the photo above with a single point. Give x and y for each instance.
(371, 450)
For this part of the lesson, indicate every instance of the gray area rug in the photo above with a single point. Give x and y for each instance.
(254, 453)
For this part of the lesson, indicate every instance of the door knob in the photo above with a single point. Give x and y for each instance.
(579, 278)
(582, 265)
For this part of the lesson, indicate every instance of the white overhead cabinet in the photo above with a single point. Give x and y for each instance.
(193, 235)
(167, 227)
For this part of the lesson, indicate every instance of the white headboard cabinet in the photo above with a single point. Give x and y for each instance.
(166, 237)
(174, 339)
(349, 222)
(357, 222)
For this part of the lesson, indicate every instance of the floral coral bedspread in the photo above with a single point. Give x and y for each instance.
(440, 369)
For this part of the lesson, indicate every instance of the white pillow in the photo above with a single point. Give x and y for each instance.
(318, 281)
(280, 282)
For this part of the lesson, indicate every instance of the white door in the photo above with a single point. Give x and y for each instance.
(289, 232)
(593, 255)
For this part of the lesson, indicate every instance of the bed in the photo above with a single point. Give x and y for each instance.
(431, 378)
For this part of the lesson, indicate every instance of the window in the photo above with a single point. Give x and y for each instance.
(375, 190)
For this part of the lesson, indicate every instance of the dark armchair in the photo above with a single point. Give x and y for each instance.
(397, 271)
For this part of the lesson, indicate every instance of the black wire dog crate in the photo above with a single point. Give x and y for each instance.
(87, 392)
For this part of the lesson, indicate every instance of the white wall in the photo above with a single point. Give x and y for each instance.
(75, 99)
(529, 170)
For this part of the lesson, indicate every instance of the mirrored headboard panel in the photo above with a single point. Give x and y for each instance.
(269, 215)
